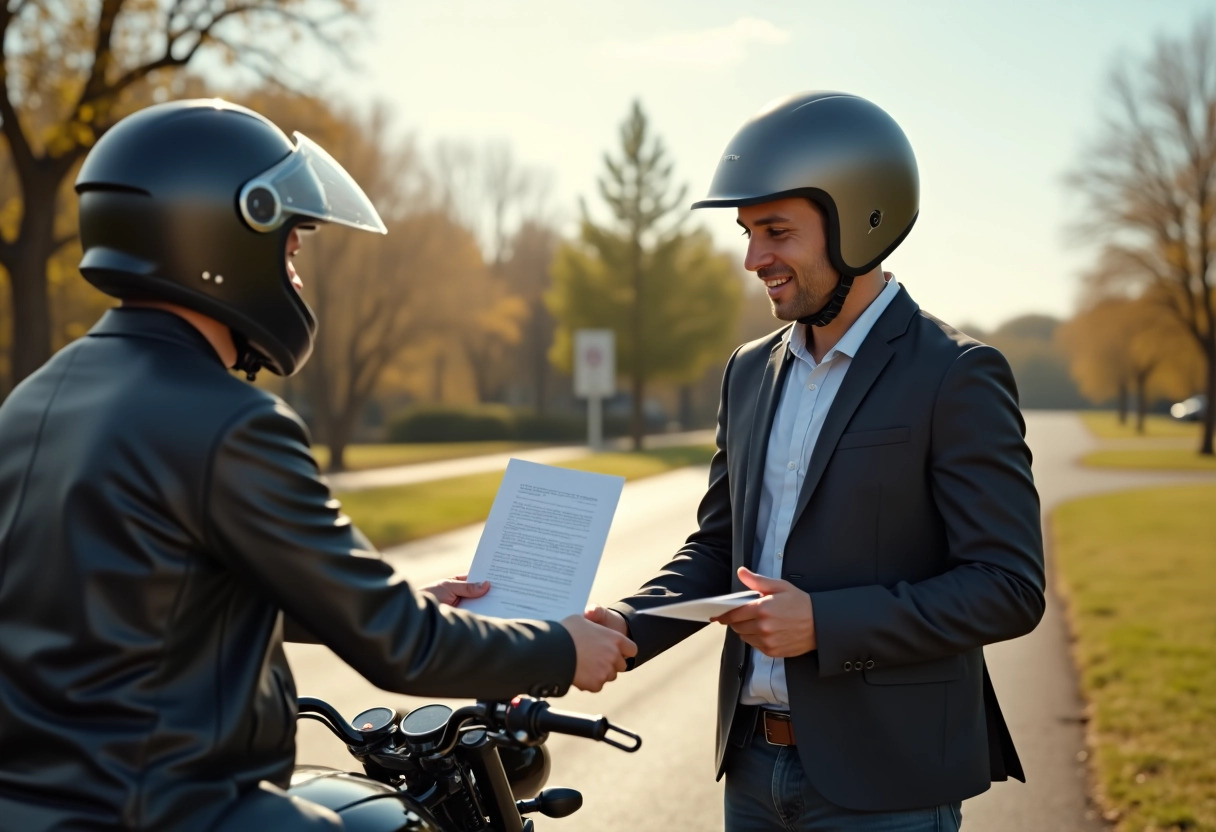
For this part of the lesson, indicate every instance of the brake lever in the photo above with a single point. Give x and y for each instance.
(637, 741)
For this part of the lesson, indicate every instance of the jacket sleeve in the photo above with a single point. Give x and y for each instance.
(993, 586)
(702, 566)
(270, 517)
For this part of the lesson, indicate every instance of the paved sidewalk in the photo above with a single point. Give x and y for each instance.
(443, 469)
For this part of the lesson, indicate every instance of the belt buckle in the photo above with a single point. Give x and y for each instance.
(776, 716)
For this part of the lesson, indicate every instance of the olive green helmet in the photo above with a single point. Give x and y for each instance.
(842, 152)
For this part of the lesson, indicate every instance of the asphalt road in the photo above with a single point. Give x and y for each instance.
(668, 785)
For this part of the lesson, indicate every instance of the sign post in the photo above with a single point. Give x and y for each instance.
(595, 377)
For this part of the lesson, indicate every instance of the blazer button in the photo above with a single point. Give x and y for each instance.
(848, 666)
(869, 664)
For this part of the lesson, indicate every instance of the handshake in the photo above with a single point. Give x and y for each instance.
(601, 637)
(780, 624)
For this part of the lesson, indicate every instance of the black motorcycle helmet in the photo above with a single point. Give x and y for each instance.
(843, 153)
(192, 202)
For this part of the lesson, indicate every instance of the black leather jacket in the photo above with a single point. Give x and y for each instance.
(157, 518)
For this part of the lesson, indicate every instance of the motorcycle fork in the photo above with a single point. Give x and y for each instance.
(492, 784)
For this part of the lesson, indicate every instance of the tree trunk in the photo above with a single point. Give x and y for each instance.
(483, 375)
(337, 456)
(686, 417)
(341, 430)
(26, 266)
(540, 382)
(539, 347)
(637, 424)
(437, 380)
(1141, 401)
(1209, 411)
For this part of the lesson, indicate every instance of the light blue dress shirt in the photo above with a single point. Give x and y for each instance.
(807, 396)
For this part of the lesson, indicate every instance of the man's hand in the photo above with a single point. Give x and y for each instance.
(780, 624)
(607, 618)
(453, 589)
(601, 652)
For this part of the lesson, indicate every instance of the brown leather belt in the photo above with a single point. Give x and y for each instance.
(776, 727)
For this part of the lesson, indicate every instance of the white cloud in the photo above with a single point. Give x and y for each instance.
(722, 46)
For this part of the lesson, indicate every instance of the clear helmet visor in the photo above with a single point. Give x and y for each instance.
(308, 183)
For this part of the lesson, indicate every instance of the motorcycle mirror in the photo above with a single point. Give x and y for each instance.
(553, 803)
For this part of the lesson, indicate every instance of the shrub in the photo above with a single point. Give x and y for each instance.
(495, 422)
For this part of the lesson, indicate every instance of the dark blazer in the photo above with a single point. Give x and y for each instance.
(917, 537)
(157, 516)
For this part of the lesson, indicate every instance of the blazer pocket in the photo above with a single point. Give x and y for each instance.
(866, 438)
(935, 670)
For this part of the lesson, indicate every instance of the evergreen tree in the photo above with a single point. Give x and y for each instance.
(671, 299)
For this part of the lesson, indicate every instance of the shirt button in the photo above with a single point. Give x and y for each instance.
(792, 465)
(780, 555)
(810, 386)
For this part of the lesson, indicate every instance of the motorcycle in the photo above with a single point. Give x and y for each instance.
(435, 769)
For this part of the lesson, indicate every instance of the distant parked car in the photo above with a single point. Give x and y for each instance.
(1189, 410)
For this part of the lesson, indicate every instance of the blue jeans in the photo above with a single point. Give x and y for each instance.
(766, 789)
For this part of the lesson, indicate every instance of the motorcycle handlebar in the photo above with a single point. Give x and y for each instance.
(309, 707)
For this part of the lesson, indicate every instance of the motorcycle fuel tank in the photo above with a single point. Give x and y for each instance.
(364, 804)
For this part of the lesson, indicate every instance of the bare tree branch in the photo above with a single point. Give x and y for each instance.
(19, 145)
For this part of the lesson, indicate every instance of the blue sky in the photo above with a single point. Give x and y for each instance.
(998, 100)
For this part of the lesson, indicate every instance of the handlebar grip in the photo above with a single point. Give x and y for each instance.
(534, 718)
(563, 722)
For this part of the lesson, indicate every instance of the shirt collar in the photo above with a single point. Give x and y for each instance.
(850, 342)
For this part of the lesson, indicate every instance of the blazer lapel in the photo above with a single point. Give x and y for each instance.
(762, 422)
(871, 358)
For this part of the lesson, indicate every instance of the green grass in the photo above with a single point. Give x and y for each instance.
(1139, 572)
(1170, 458)
(1104, 424)
(398, 514)
(359, 457)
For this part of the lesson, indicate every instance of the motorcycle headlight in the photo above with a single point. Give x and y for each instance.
(527, 769)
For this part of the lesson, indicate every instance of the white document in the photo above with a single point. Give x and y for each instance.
(703, 609)
(543, 540)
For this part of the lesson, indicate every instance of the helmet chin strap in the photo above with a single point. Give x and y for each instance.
(832, 308)
(247, 361)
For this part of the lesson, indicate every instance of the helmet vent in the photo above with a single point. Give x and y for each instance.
(875, 219)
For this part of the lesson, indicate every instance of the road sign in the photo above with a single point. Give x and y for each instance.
(594, 363)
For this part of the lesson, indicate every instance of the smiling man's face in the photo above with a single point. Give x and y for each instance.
(787, 249)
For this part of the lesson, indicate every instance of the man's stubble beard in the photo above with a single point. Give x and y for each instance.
(814, 284)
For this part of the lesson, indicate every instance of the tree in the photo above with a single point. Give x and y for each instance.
(1150, 185)
(627, 268)
(527, 272)
(1129, 349)
(374, 297)
(494, 196)
(1039, 365)
(69, 70)
(690, 293)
